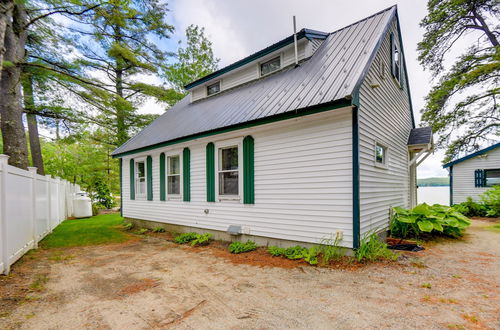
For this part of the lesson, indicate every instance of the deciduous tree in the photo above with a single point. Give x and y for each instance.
(462, 107)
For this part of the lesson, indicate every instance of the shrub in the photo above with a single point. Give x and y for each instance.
(158, 229)
(424, 219)
(201, 239)
(311, 255)
(469, 208)
(239, 247)
(185, 237)
(491, 200)
(372, 248)
(276, 251)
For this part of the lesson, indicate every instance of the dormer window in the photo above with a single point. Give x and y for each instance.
(270, 66)
(213, 88)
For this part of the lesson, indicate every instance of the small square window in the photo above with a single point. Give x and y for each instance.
(228, 171)
(492, 177)
(213, 88)
(380, 154)
(270, 66)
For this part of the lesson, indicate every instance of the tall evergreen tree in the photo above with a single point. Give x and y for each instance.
(462, 107)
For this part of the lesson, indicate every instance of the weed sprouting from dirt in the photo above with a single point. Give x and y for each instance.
(142, 231)
(61, 257)
(158, 230)
(39, 283)
(426, 285)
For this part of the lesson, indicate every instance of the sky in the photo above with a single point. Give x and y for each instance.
(240, 28)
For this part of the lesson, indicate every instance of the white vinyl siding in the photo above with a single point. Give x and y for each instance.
(303, 182)
(463, 175)
(385, 119)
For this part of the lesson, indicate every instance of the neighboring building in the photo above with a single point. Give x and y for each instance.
(472, 175)
(285, 153)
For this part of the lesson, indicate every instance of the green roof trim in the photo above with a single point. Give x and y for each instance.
(262, 121)
(307, 33)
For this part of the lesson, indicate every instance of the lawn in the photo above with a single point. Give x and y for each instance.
(101, 229)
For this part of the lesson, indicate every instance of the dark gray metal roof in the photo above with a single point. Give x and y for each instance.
(330, 74)
(421, 135)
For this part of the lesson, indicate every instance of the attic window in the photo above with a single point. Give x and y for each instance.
(214, 88)
(270, 66)
(395, 60)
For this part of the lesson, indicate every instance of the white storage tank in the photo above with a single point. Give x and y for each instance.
(82, 205)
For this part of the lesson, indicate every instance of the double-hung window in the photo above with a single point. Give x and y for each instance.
(174, 176)
(140, 178)
(228, 171)
(492, 177)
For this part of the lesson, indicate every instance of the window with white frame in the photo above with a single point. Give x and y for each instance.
(270, 66)
(380, 154)
(174, 175)
(213, 88)
(228, 171)
(140, 178)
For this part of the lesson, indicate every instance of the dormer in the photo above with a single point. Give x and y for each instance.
(259, 65)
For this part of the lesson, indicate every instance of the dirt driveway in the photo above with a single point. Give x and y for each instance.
(152, 283)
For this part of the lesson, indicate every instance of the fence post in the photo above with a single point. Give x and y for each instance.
(32, 170)
(4, 254)
(49, 203)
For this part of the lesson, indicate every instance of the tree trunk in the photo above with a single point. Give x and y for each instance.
(11, 111)
(5, 17)
(29, 106)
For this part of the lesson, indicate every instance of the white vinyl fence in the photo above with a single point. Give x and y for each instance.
(31, 206)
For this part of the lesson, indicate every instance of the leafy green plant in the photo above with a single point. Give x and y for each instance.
(372, 248)
(158, 229)
(185, 237)
(276, 251)
(128, 226)
(311, 255)
(427, 285)
(330, 249)
(470, 208)
(201, 239)
(239, 247)
(295, 252)
(425, 219)
(491, 201)
(142, 231)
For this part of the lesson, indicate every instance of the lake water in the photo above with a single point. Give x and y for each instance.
(433, 195)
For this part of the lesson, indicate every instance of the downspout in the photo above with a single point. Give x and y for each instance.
(355, 179)
(121, 187)
(451, 185)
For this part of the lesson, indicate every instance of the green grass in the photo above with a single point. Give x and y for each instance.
(495, 228)
(101, 229)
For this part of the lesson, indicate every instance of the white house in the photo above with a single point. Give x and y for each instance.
(285, 147)
(472, 175)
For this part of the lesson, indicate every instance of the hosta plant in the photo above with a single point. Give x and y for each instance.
(424, 219)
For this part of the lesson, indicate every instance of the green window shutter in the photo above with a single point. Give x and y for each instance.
(163, 195)
(132, 179)
(186, 174)
(210, 158)
(248, 171)
(149, 169)
(392, 54)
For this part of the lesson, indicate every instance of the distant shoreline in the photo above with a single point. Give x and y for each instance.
(434, 182)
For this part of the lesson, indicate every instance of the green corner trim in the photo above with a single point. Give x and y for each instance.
(121, 187)
(132, 179)
(248, 171)
(342, 103)
(163, 195)
(210, 157)
(149, 165)
(355, 180)
(186, 174)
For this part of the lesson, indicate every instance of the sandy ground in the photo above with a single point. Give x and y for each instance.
(152, 283)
